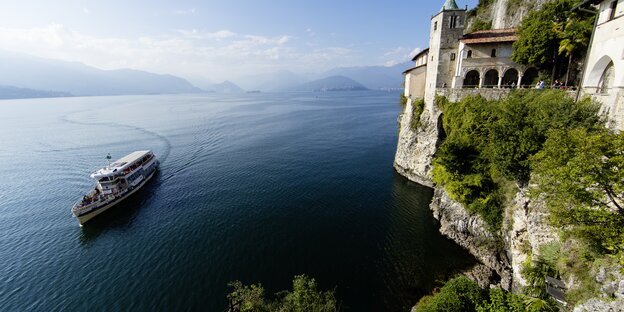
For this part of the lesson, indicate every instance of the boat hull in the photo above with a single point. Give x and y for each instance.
(84, 218)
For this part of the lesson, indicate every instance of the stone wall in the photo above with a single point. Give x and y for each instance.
(456, 95)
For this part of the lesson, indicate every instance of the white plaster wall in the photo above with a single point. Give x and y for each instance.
(607, 46)
(406, 87)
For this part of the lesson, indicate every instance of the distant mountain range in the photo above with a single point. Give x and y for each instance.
(333, 83)
(374, 77)
(25, 71)
(274, 82)
(29, 76)
(225, 87)
(371, 77)
(10, 92)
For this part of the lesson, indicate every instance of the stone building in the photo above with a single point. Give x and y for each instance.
(416, 76)
(603, 78)
(456, 59)
(485, 61)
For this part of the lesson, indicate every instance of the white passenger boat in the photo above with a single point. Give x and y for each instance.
(115, 183)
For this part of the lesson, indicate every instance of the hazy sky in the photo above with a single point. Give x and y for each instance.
(219, 39)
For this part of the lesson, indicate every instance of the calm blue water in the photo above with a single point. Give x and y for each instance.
(254, 187)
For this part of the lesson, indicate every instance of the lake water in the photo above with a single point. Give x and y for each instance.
(252, 187)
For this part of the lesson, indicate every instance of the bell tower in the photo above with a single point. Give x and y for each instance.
(447, 27)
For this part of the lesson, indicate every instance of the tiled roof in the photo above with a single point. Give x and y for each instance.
(420, 53)
(490, 36)
(413, 68)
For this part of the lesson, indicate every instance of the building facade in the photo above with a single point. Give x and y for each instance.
(603, 78)
(456, 59)
(415, 77)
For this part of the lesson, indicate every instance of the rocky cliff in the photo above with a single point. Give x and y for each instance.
(524, 230)
(504, 13)
(417, 146)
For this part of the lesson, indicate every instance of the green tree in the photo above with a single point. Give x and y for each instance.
(247, 298)
(580, 176)
(539, 35)
(502, 301)
(574, 34)
(522, 121)
(490, 143)
(304, 297)
(458, 294)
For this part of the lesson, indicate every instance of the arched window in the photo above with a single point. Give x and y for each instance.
(606, 81)
(493, 53)
(469, 55)
(452, 56)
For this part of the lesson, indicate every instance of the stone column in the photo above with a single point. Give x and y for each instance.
(481, 79)
(500, 81)
(519, 80)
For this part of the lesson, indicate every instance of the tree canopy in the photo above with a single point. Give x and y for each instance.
(580, 175)
(304, 297)
(492, 141)
(553, 31)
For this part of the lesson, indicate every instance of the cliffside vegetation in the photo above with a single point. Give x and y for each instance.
(480, 18)
(417, 108)
(304, 297)
(553, 37)
(461, 295)
(572, 163)
(489, 144)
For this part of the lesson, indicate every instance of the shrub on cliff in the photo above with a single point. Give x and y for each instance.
(458, 294)
(418, 106)
(304, 297)
(403, 100)
(462, 294)
(548, 35)
(521, 121)
(490, 143)
(580, 176)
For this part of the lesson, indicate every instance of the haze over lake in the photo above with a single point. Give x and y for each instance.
(252, 187)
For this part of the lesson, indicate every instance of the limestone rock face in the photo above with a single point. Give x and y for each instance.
(595, 305)
(526, 229)
(416, 147)
(508, 13)
(472, 233)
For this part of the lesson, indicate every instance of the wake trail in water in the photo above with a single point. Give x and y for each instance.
(160, 137)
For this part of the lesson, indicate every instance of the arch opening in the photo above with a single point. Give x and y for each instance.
(510, 79)
(491, 79)
(472, 80)
(606, 81)
(529, 78)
